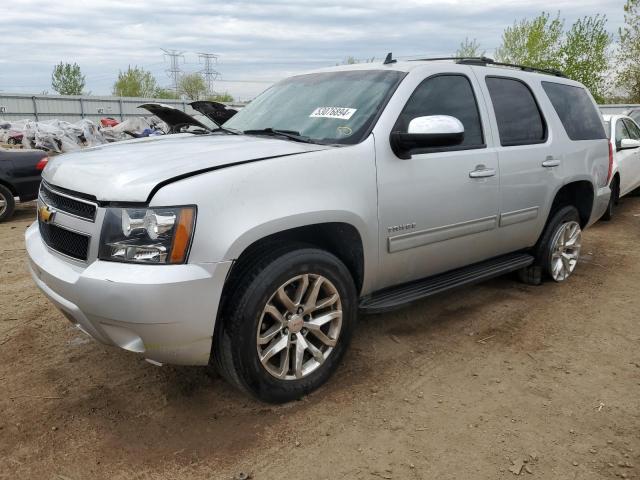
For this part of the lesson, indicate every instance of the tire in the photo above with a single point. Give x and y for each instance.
(249, 314)
(7, 203)
(550, 249)
(613, 201)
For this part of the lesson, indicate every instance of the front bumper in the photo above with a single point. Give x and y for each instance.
(600, 203)
(165, 312)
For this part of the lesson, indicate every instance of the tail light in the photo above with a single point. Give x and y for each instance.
(42, 163)
(610, 163)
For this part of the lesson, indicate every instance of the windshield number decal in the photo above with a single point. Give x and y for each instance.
(341, 113)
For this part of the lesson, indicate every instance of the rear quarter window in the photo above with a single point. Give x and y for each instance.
(578, 114)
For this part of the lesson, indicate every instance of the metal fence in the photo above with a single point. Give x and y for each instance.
(73, 108)
(618, 108)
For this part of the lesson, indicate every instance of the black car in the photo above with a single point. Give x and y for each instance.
(20, 172)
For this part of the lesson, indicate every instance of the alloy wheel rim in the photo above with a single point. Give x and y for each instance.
(3, 204)
(299, 327)
(565, 251)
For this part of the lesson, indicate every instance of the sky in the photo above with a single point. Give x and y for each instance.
(257, 43)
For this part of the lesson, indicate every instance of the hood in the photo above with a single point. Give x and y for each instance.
(129, 171)
(216, 112)
(173, 117)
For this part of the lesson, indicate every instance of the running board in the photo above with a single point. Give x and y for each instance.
(401, 295)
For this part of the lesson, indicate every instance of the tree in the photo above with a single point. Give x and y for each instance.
(67, 79)
(135, 82)
(583, 55)
(629, 52)
(535, 43)
(221, 97)
(193, 86)
(469, 48)
(166, 93)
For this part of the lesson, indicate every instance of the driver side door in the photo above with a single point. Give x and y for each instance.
(438, 210)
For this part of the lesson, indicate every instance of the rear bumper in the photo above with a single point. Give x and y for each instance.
(166, 313)
(600, 202)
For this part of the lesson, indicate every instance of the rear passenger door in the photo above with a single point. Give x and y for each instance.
(633, 158)
(528, 166)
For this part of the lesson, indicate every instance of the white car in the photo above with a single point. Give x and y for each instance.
(624, 140)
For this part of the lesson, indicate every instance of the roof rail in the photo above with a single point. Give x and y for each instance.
(484, 61)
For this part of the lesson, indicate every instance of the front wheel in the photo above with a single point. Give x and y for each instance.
(559, 247)
(287, 325)
(7, 203)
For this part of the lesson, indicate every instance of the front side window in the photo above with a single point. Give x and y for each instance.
(578, 114)
(632, 128)
(333, 107)
(621, 132)
(519, 119)
(445, 95)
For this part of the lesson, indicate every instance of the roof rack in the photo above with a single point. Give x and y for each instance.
(484, 61)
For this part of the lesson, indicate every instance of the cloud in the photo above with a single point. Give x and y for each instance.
(257, 42)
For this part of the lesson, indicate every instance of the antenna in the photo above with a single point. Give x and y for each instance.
(208, 71)
(174, 67)
(389, 59)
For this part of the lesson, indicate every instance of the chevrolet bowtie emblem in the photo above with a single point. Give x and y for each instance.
(46, 214)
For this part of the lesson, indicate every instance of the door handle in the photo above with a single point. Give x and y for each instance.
(551, 162)
(482, 172)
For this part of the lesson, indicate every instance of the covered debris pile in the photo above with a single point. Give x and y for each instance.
(60, 136)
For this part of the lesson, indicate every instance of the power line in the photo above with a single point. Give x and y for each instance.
(174, 66)
(209, 73)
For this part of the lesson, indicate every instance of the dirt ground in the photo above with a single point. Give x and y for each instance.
(469, 385)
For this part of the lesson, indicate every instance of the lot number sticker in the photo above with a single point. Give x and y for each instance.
(333, 112)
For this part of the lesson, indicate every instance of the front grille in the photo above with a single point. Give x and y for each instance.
(65, 241)
(66, 204)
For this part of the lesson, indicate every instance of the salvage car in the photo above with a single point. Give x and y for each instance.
(254, 247)
(211, 115)
(20, 172)
(624, 139)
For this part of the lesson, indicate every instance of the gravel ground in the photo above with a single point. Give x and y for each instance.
(478, 383)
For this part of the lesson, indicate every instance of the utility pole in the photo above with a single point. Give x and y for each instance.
(209, 60)
(174, 71)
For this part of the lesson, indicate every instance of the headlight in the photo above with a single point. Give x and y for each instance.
(147, 235)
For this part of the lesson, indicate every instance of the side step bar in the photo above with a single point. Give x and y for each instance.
(401, 295)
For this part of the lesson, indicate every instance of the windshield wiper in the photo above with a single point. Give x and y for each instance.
(230, 131)
(290, 134)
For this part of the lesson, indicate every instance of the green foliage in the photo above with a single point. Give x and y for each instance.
(353, 60)
(67, 79)
(536, 42)
(193, 86)
(580, 52)
(166, 93)
(135, 82)
(469, 48)
(221, 97)
(583, 55)
(629, 52)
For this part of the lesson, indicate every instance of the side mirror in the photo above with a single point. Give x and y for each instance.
(628, 143)
(427, 132)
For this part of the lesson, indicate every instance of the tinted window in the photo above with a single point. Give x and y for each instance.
(517, 113)
(577, 112)
(632, 128)
(445, 95)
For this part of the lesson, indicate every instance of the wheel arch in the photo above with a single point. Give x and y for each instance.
(578, 193)
(9, 187)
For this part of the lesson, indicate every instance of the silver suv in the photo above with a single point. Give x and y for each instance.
(356, 188)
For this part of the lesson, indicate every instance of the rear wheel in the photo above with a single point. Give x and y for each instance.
(288, 324)
(7, 203)
(559, 247)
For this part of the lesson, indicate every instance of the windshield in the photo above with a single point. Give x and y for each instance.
(333, 107)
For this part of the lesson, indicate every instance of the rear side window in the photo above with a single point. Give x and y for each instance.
(519, 119)
(446, 95)
(577, 112)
